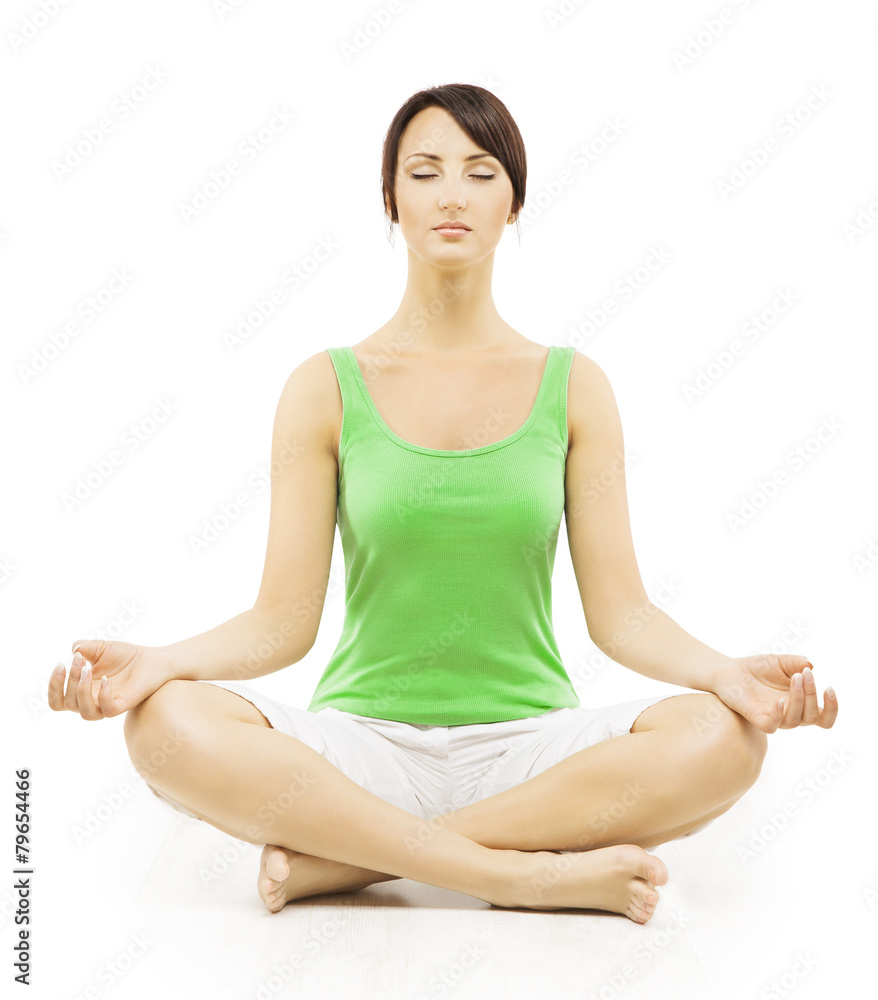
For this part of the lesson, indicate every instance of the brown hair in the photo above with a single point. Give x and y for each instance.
(484, 118)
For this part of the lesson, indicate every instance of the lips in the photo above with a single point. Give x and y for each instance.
(452, 225)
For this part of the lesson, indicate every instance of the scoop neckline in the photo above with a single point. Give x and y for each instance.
(455, 453)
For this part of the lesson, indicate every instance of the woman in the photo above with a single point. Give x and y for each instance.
(445, 742)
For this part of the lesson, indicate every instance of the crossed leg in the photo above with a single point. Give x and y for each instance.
(686, 759)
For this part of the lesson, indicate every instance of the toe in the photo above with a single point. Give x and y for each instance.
(643, 894)
(652, 869)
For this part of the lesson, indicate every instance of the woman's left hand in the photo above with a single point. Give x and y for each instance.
(754, 685)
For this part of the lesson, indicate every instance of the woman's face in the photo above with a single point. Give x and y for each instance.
(446, 185)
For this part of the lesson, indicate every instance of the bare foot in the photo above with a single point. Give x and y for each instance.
(285, 875)
(621, 879)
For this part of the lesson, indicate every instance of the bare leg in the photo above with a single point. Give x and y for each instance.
(266, 787)
(646, 788)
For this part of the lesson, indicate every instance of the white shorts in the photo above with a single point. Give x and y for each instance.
(430, 770)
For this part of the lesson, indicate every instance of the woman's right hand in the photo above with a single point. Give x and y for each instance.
(133, 673)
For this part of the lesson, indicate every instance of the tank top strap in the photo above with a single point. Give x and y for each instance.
(553, 411)
(357, 416)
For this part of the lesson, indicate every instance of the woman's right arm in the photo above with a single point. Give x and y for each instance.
(281, 627)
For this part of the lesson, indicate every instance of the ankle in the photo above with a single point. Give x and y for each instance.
(511, 880)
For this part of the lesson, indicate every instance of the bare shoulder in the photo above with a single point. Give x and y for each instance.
(311, 401)
(591, 403)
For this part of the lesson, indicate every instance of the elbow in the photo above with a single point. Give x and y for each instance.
(293, 631)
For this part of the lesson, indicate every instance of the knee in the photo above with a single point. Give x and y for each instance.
(735, 741)
(156, 730)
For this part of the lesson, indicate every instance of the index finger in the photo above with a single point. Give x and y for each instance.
(85, 698)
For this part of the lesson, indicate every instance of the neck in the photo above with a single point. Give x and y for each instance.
(448, 310)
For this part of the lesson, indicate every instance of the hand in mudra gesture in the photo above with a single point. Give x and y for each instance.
(132, 674)
(774, 691)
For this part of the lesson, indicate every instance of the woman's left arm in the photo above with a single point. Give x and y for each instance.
(621, 620)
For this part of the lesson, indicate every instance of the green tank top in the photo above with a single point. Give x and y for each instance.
(448, 566)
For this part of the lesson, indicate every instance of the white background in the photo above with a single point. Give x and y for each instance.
(121, 562)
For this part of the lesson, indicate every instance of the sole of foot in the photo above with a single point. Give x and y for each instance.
(285, 876)
(620, 879)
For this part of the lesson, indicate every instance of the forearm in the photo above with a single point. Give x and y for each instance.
(257, 642)
(643, 638)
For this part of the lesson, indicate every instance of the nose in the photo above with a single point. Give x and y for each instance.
(451, 195)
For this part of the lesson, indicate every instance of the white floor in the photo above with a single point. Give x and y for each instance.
(157, 905)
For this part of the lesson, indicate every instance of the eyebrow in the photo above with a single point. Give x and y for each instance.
(466, 159)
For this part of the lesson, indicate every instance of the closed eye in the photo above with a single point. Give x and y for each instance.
(481, 177)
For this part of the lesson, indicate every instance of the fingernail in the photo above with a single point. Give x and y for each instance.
(78, 660)
(831, 692)
(807, 672)
(104, 682)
